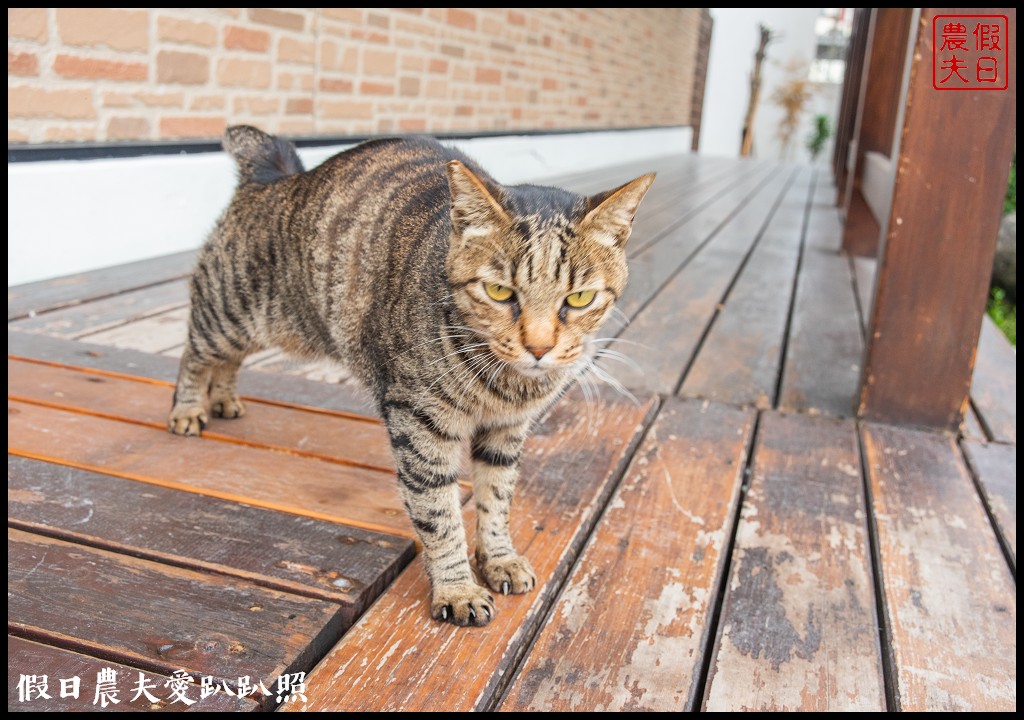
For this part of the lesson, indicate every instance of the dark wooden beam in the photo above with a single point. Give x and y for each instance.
(939, 240)
(700, 75)
(847, 118)
(880, 106)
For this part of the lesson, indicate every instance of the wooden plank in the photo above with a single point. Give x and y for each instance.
(740, 359)
(37, 297)
(825, 342)
(349, 440)
(257, 476)
(397, 658)
(657, 262)
(940, 238)
(995, 467)
(675, 319)
(970, 427)
(25, 657)
(295, 554)
(153, 334)
(157, 617)
(950, 598)
(266, 386)
(824, 229)
(994, 383)
(798, 624)
(96, 315)
(630, 628)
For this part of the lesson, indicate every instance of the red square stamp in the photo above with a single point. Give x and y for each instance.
(969, 52)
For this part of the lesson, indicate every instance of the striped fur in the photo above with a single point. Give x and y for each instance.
(378, 258)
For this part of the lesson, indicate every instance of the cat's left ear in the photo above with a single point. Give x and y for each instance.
(475, 207)
(609, 218)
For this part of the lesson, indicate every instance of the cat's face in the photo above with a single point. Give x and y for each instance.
(535, 271)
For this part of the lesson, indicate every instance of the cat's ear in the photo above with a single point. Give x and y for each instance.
(609, 218)
(475, 209)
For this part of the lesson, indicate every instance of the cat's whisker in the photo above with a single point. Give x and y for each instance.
(478, 331)
(422, 344)
(459, 351)
(645, 346)
(619, 357)
(613, 382)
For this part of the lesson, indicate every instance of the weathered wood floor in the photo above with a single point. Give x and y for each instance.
(729, 538)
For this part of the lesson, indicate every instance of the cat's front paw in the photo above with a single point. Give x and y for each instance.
(463, 604)
(512, 574)
(227, 407)
(187, 420)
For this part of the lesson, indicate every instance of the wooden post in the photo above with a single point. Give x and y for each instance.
(700, 75)
(953, 160)
(850, 100)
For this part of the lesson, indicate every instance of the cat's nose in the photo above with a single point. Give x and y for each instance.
(539, 352)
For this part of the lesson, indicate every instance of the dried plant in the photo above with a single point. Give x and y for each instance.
(792, 95)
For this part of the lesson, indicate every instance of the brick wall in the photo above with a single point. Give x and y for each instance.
(100, 74)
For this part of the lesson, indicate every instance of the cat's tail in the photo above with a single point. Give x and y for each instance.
(261, 158)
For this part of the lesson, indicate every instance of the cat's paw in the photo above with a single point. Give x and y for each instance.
(463, 604)
(187, 420)
(509, 575)
(227, 407)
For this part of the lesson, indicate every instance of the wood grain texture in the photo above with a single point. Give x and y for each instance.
(995, 467)
(630, 628)
(257, 476)
(158, 617)
(670, 328)
(107, 313)
(940, 238)
(38, 297)
(739, 361)
(397, 658)
(949, 595)
(266, 386)
(798, 624)
(825, 342)
(994, 383)
(152, 334)
(25, 657)
(348, 440)
(296, 554)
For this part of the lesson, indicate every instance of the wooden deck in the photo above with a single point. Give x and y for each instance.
(729, 538)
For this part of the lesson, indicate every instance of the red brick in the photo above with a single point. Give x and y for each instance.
(188, 32)
(192, 127)
(22, 63)
(70, 133)
(380, 62)
(345, 109)
(183, 68)
(438, 65)
(16, 136)
(233, 72)
(33, 102)
(240, 38)
(332, 57)
(461, 19)
(160, 99)
(299, 106)
(349, 15)
(278, 18)
(296, 51)
(412, 125)
(488, 75)
(73, 66)
(127, 128)
(515, 18)
(549, 84)
(463, 110)
(207, 102)
(339, 85)
(255, 105)
(376, 88)
(110, 27)
(409, 86)
(28, 23)
(453, 50)
(380, 21)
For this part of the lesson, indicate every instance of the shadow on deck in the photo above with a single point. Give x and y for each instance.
(732, 539)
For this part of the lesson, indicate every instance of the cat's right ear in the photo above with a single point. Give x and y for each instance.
(475, 210)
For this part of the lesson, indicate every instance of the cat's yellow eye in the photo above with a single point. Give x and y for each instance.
(498, 292)
(580, 299)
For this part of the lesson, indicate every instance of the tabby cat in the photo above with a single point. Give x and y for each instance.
(465, 306)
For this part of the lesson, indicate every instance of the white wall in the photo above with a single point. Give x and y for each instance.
(68, 217)
(734, 41)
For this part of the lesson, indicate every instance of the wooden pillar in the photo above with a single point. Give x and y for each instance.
(877, 126)
(847, 117)
(953, 159)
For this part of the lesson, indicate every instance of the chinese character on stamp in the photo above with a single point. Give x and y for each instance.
(969, 52)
